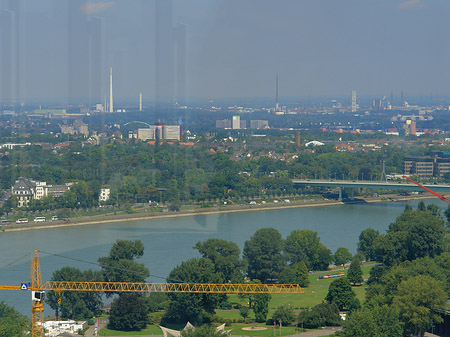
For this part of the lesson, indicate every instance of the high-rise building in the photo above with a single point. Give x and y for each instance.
(353, 100)
(223, 124)
(236, 124)
(259, 124)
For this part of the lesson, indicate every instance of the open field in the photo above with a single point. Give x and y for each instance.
(314, 294)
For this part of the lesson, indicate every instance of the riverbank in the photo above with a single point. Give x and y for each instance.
(145, 215)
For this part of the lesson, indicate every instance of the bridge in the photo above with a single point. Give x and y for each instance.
(396, 186)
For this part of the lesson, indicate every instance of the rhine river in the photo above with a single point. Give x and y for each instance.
(169, 241)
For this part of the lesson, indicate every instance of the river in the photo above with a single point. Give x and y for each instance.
(169, 241)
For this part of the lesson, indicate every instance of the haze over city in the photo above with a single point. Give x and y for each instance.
(62, 50)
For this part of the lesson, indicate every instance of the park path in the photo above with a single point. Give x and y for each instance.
(315, 333)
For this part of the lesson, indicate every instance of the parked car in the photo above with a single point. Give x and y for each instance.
(39, 219)
(22, 220)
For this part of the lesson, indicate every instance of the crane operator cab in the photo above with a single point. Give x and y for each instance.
(37, 296)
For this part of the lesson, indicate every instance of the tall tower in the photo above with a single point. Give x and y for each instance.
(277, 107)
(353, 100)
(140, 101)
(111, 101)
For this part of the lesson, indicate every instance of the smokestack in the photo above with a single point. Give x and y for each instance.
(140, 101)
(276, 105)
(111, 102)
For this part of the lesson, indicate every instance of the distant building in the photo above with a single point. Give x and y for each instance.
(223, 124)
(172, 132)
(259, 124)
(104, 194)
(236, 122)
(161, 132)
(76, 128)
(25, 189)
(435, 165)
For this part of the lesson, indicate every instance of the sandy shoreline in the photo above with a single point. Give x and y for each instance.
(99, 219)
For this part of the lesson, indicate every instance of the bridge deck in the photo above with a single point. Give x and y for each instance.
(401, 186)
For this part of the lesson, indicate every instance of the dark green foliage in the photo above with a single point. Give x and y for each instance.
(295, 274)
(323, 314)
(421, 206)
(284, 314)
(13, 323)
(377, 322)
(447, 213)
(355, 274)
(244, 312)
(225, 255)
(304, 245)
(341, 293)
(414, 234)
(75, 305)
(261, 306)
(195, 308)
(365, 243)
(119, 265)
(376, 272)
(157, 301)
(342, 256)
(418, 299)
(263, 254)
(128, 313)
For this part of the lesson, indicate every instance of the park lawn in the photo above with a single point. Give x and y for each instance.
(236, 330)
(150, 330)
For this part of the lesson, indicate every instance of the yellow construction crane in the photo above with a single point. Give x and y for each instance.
(38, 289)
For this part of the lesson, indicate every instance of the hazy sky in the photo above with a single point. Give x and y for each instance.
(234, 48)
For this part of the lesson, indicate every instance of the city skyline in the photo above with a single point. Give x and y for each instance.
(171, 51)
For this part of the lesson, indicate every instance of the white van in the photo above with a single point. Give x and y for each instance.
(39, 219)
(23, 220)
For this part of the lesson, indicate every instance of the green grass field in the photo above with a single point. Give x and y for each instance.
(314, 294)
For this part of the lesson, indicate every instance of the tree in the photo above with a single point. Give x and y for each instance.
(355, 274)
(380, 321)
(417, 299)
(12, 322)
(323, 314)
(365, 244)
(341, 293)
(284, 314)
(244, 311)
(342, 256)
(447, 213)
(119, 265)
(295, 274)
(261, 306)
(304, 245)
(195, 308)
(225, 255)
(76, 305)
(128, 313)
(414, 234)
(263, 254)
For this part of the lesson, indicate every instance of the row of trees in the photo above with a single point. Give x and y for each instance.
(266, 257)
(411, 284)
(138, 172)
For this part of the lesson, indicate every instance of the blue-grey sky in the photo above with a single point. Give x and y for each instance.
(232, 48)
